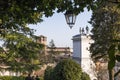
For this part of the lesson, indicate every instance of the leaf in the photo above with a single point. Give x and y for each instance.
(111, 52)
(119, 47)
(111, 64)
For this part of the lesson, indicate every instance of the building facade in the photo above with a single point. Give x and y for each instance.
(81, 54)
(43, 40)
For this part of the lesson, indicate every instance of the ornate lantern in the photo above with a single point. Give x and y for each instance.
(70, 18)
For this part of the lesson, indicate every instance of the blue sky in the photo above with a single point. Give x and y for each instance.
(56, 28)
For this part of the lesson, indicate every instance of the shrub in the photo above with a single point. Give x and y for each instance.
(48, 73)
(67, 70)
(11, 78)
(41, 78)
(85, 76)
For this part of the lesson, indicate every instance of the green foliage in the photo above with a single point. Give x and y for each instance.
(21, 50)
(11, 78)
(67, 70)
(15, 78)
(48, 73)
(15, 15)
(85, 76)
(41, 78)
(31, 11)
(111, 55)
(21, 53)
(105, 32)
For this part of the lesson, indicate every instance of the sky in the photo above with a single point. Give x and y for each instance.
(55, 28)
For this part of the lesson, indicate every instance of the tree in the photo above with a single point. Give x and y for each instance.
(52, 51)
(52, 46)
(16, 15)
(21, 56)
(85, 76)
(18, 39)
(105, 33)
(50, 56)
(48, 73)
(67, 70)
(52, 43)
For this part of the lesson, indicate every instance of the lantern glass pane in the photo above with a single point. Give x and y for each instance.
(70, 18)
(74, 18)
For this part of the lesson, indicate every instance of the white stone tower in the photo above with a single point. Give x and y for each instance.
(81, 53)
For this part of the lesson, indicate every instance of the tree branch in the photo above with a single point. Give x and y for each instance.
(116, 73)
(116, 2)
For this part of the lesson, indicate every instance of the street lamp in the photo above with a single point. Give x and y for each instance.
(70, 18)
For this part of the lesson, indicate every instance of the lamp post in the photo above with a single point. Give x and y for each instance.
(70, 18)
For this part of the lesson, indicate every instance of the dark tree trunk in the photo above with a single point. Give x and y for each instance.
(111, 74)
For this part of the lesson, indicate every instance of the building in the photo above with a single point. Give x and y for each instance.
(63, 50)
(81, 54)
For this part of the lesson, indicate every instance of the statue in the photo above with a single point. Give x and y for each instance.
(83, 31)
(87, 29)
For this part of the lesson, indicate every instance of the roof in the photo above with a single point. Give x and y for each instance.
(83, 36)
(78, 35)
(42, 36)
